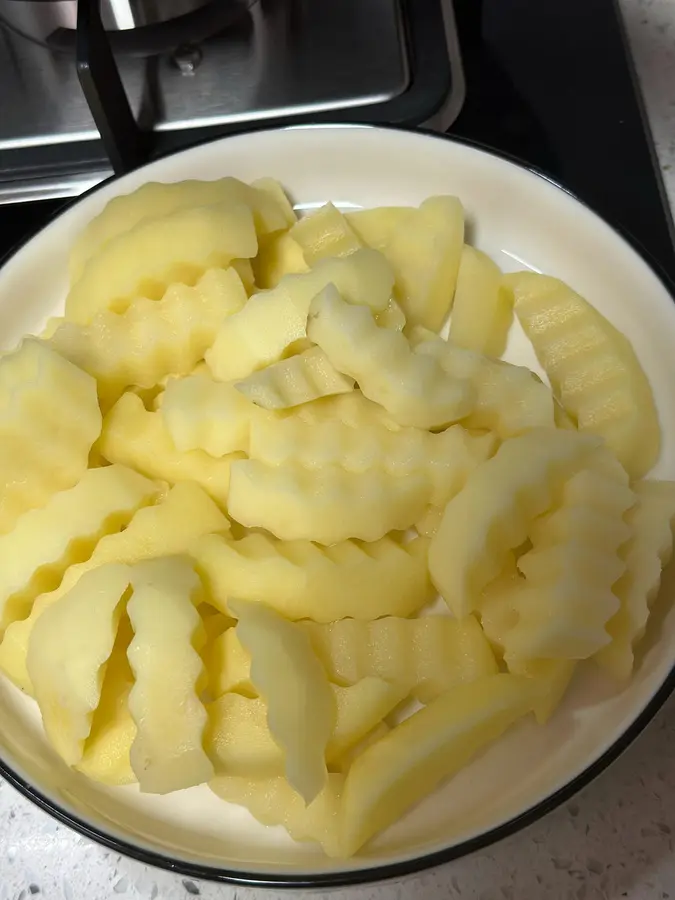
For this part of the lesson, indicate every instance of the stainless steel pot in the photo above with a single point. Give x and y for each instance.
(38, 19)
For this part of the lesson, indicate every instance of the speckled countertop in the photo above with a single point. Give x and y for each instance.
(614, 840)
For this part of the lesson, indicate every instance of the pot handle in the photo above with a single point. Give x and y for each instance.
(127, 145)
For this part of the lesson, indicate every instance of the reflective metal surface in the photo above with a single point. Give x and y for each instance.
(37, 19)
(283, 58)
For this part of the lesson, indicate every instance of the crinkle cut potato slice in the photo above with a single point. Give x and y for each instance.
(68, 652)
(300, 579)
(154, 200)
(413, 389)
(434, 743)
(325, 234)
(139, 438)
(592, 368)
(291, 382)
(509, 400)
(498, 503)
(328, 505)
(274, 320)
(425, 656)
(425, 252)
(152, 339)
(445, 459)
(168, 752)
(158, 252)
(202, 414)
(646, 552)
(49, 420)
(170, 527)
(301, 708)
(482, 310)
(46, 542)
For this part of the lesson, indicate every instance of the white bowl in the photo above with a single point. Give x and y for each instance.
(521, 219)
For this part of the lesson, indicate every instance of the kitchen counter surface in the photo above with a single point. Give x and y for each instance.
(614, 840)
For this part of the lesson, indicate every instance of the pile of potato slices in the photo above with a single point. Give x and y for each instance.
(238, 472)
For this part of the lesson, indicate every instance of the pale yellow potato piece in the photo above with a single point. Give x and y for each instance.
(414, 389)
(323, 233)
(646, 552)
(498, 615)
(428, 524)
(327, 505)
(345, 762)
(168, 752)
(135, 437)
(351, 409)
(566, 598)
(46, 541)
(228, 666)
(244, 270)
(49, 420)
(424, 252)
(154, 199)
(273, 189)
(375, 227)
(279, 255)
(445, 459)
(592, 368)
(492, 513)
(482, 311)
(202, 414)
(272, 801)
(301, 708)
(67, 655)
(392, 317)
(144, 261)
(396, 772)
(240, 743)
(274, 320)
(294, 381)
(172, 526)
(550, 679)
(301, 580)
(509, 400)
(105, 758)
(425, 656)
(152, 338)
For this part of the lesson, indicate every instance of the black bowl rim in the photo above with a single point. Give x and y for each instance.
(417, 864)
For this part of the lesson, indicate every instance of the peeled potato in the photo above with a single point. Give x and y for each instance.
(434, 743)
(68, 652)
(301, 709)
(155, 200)
(482, 311)
(424, 252)
(49, 420)
(158, 252)
(592, 368)
(167, 753)
(324, 233)
(106, 753)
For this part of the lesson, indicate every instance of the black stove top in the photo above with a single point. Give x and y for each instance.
(553, 85)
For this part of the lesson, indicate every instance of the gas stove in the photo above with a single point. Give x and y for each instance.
(551, 85)
(276, 61)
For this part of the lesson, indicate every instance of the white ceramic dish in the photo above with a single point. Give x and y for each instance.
(521, 219)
